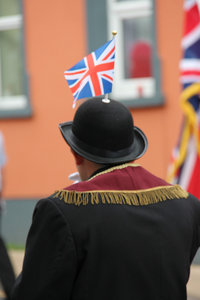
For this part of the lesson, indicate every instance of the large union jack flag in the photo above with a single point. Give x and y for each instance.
(93, 75)
(185, 167)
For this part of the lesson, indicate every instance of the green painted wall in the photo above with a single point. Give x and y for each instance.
(16, 221)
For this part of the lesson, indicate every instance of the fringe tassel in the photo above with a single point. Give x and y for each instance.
(136, 198)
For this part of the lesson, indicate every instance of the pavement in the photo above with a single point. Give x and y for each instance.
(193, 287)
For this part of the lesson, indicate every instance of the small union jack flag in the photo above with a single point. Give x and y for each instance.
(93, 75)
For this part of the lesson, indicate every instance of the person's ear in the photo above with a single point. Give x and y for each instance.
(78, 159)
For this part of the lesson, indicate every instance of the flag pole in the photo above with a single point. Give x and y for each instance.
(105, 99)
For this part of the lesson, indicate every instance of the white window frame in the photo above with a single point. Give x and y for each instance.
(19, 102)
(198, 3)
(123, 88)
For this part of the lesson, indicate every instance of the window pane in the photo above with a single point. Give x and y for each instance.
(137, 47)
(11, 63)
(9, 7)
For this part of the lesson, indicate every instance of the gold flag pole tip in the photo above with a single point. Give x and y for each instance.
(114, 32)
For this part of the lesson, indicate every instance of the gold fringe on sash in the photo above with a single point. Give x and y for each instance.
(136, 198)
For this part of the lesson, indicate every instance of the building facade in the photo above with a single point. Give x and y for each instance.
(39, 40)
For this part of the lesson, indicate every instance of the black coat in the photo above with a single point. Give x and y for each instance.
(102, 248)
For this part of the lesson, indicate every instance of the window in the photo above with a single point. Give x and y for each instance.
(13, 83)
(137, 71)
(198, 2)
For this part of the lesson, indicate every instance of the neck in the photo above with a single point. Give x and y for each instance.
(93, 168)
(87, 169)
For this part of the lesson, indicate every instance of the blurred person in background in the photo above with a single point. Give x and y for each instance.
(7, 276)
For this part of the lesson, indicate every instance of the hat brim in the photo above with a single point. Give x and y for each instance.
(101, 156)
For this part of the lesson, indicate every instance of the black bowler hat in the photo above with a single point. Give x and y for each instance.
(103, 132)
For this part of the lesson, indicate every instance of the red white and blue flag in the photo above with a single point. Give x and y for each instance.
(185, 166)
(93, 75)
